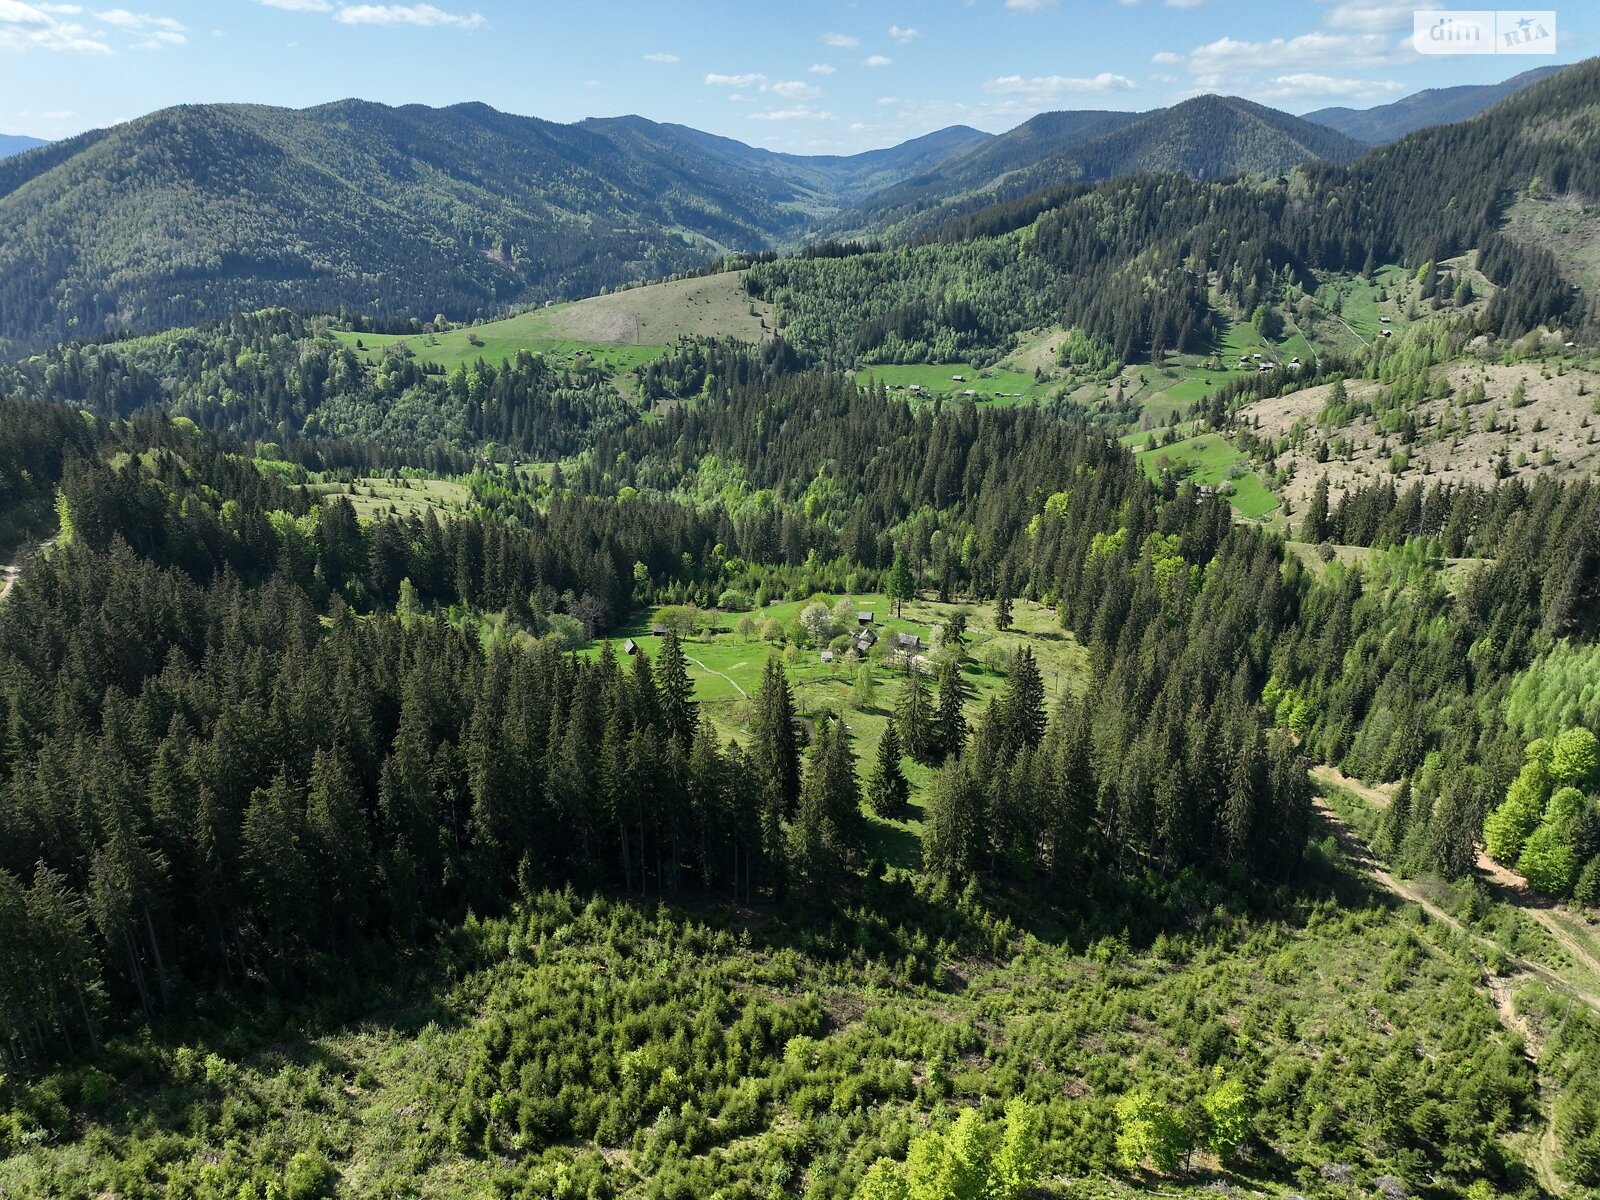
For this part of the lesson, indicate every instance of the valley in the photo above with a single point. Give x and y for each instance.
(592, 660)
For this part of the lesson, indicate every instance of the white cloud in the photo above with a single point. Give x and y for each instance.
(799, 113)
(821, 69)
(1227, 61)
(1304, 84)
(903, 35)
(300, 5)
(876, 60)
(1043, 88)
(1166, 58)
(424, 15)
(661, 57)
(123, 19)
(1184, 3)
(39, 27)
(842, 41)
(795, 89)
(789, 89)
(1029, 5)
(885, 101)
(749, 79)
(160, 33)
(1375, 16)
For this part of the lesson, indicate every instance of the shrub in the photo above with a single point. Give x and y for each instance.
(309, 1176)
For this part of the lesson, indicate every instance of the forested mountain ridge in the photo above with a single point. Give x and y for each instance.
(1208, 137)
(390, 211)
(1432, 106)
(209, 209)
(1153, 263)
(823, 181)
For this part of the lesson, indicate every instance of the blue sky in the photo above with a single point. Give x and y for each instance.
(822, 76)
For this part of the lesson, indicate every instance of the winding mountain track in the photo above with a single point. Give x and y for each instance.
(1359, 854)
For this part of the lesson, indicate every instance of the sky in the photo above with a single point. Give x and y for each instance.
(818, 76)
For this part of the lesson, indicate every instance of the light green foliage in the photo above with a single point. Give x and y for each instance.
(898, 585)
(1511, 824)
(1548, 861)
(953, 1165)
(1016, 1164)
(884, 1180)
(64, 518)
(1227, 1109)
(1149, 1131)
(309, 1176)
(1574, 758)
(1559, 690)
(1104, 545)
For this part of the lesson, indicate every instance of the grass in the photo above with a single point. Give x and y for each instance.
(1211, 459)
(613, 333)
(936, 379)
(374, 496)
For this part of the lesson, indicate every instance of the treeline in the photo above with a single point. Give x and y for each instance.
(200, 726)
(278, 377)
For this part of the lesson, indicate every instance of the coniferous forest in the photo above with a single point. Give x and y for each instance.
(723, 772)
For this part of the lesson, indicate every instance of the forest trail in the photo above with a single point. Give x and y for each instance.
(13, 569)
(1356, 850)
(1336, 777)
(718, 674)
(1544, 1151)
(1509, 887)
(1513, 889)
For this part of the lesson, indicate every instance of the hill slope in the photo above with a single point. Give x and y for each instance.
(1435, 106)
(201, 210)
(1209, 137)
(1149, 264)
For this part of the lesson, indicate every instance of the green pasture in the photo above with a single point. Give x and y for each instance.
(1208, 459)
(935, 379)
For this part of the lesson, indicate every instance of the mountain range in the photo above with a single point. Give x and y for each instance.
(1435, 106)
(16, 143)
(1208, 137)
(202, 210)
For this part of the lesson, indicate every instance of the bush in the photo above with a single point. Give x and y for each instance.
(568, 632)
(309, 1176)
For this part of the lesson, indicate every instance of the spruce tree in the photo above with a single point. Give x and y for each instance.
(888, 791)
(775, 742)
(1022, 709)
(917, 730)
(950, 721)
(679, 714)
